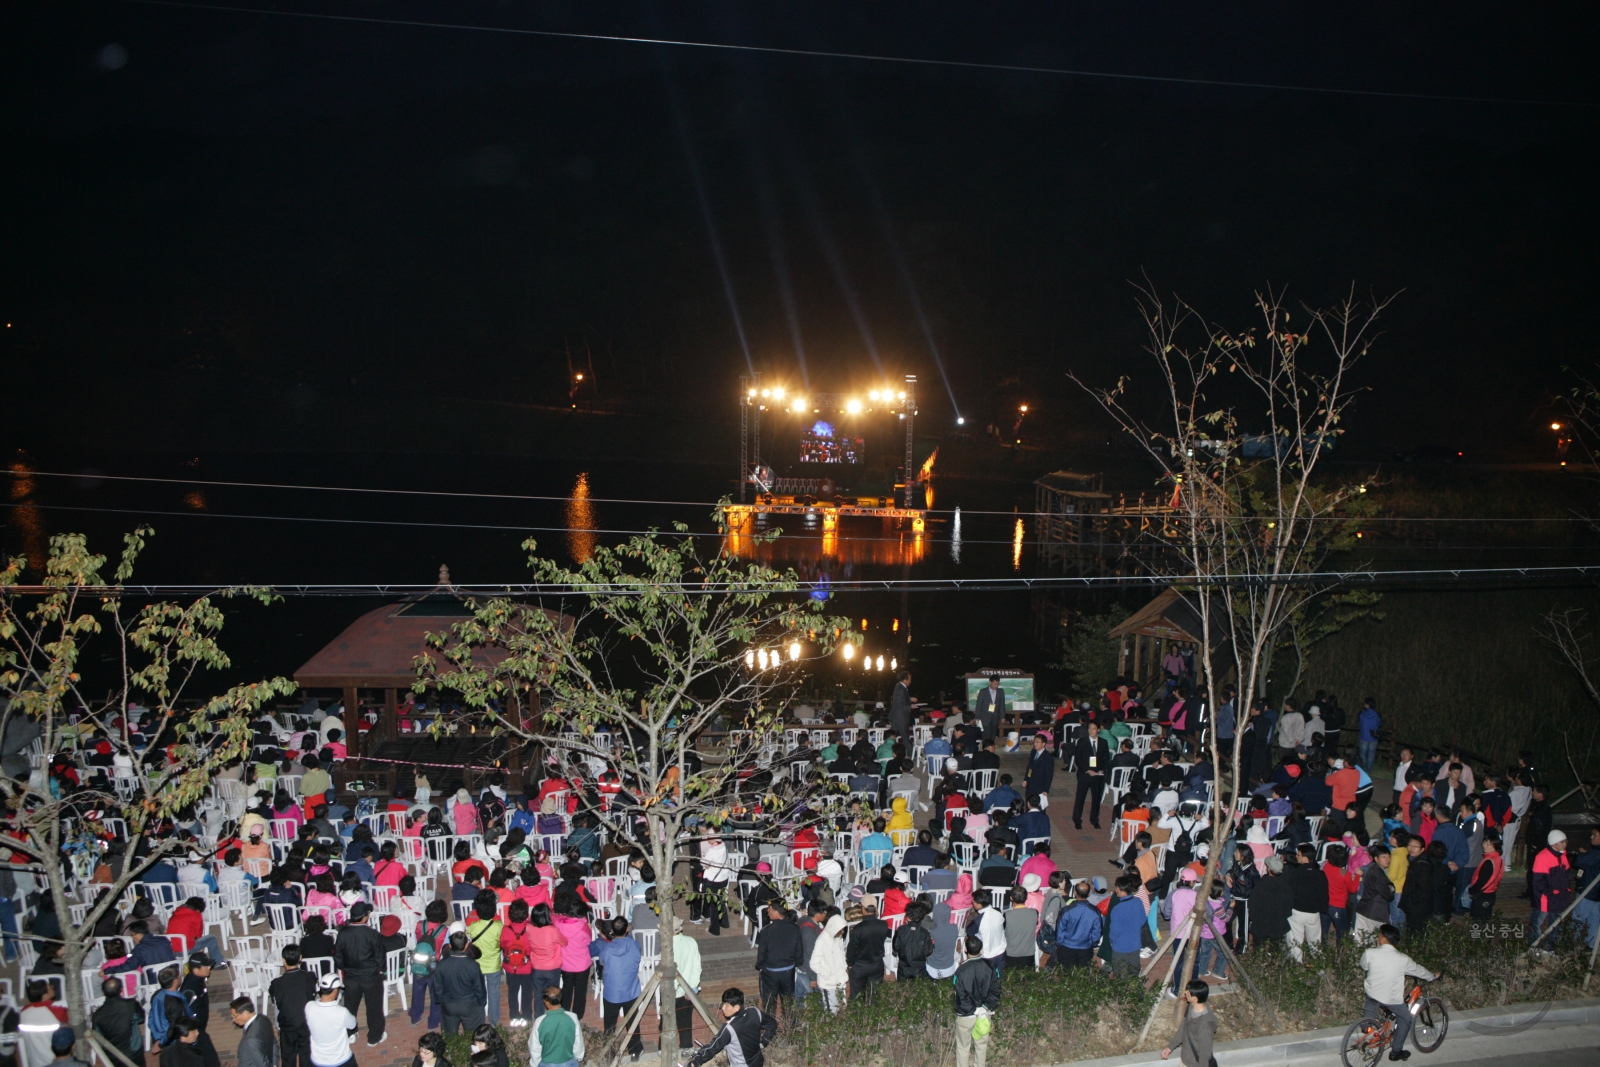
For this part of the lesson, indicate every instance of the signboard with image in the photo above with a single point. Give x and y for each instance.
(1018, 688)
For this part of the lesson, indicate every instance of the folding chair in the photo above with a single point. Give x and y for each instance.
(396, 976)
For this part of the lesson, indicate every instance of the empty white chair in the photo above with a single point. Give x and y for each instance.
(396, 976)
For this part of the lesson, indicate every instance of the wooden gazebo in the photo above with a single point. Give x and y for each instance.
(378, 651)
(1165, 622)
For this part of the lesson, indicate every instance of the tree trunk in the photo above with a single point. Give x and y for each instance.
(664, 847)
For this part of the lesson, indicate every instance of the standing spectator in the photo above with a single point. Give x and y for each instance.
(1377, 893)
(358, 953)
(1291, 728)
(1343, 883)
(258, 1046)
(1078, 930)
(1369, 722)
(330, 1025)
(778, 955)
(619, 954)
(900, 706)
(517, 951)
(556, 1037)
(864, 952)
(117, 1020)
(182, 1047)
(1126, 918)
(1486, 882)
(977, 992)
(990, 708)
(686, 956)
(432, 938)
(292, 991)
(1416, 897)
(1021, 924)
(829, 962)
(1041, 767)
(1271, 903)
(483, 933)
(1552, 881)
(913, 944)
(571, 918)
(1198, 1030)
(1092, 756)
(1309, 901)
(62, 1043)
(751, 1028)
(459, 985)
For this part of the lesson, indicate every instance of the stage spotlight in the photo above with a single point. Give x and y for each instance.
(853, 406)
(873, 395)
(799, 403)
(794, 650)
(849, 650)
(960, 421)
(902, 394)
(749, 659)
(880, 663)
(762, 657)
(778, 392)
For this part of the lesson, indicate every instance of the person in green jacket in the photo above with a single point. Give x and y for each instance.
(556, 1039)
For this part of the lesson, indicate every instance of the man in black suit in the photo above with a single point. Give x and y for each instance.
(1092, 755)
(900, 705)
(1041, 766)
(258, 1047)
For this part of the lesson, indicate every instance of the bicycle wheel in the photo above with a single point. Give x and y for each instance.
(1431, 1024)
(1363, 1043)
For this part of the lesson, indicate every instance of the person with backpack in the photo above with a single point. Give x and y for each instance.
(1050, 905)
(431, 931)
(913, 944)
(1078, 930)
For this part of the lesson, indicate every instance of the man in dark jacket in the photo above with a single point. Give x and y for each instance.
(1416, 899)
(777, 955)
(900, 706)
(257, 1045)
(1092, 756)
(291, 991)
(752, 1028)
(1372, 909)
(117, 1020)
(1310, 900)
(1041, 767)
(805, 980)
(1270, 904)
(1536, 827)
(459, 984)
(147, 951)
(359, 954)
(913, 944)
(977, 986)
(864, 954)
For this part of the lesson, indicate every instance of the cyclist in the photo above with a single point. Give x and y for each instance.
(1385, 985)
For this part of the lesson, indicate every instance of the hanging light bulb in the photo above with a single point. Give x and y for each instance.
(880, 663)
(894, 664)
(794, 650)
(762, 656)
(849, 650)
(749, 658)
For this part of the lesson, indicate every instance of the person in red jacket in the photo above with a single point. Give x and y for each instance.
(1486, 879)
(189, 920)
(1552, 880)
(1343, 885)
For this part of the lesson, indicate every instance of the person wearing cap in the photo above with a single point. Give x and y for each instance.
(193, 991)
(358, 953)
(1552, 881)
(330, 1024)
(61, 1044)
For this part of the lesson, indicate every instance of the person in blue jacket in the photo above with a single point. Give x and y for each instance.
(1078, 930)
(1127, 919)
(618, 955)
(1369, 722)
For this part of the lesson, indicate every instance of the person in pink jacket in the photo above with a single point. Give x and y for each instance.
(572, 920)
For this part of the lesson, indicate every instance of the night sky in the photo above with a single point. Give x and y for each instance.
(222, 220)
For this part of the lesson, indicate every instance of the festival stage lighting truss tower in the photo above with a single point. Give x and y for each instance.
(751, 406)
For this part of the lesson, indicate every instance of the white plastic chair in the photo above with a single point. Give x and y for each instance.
(1027, 844)
(395, 976)
(322, 965)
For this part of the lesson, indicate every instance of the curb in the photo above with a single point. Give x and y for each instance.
(1276, 1049)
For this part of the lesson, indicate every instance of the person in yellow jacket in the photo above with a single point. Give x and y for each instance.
(483, 933)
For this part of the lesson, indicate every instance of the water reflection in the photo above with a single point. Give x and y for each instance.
(27, 518)
(955, 538)
(880, 542)
(1016, 547)
(580, 521)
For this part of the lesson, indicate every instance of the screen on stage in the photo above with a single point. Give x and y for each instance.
(822, 444)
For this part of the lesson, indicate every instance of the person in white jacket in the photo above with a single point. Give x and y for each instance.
(828, 963)
(1385, 984)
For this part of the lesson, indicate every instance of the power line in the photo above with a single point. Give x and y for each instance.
(1009, 68)
(537, 498)
(915, 585)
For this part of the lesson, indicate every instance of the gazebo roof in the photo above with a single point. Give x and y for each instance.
(378, 650)
(1168, 617)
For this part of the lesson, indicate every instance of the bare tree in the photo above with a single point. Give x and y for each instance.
(1240, 423)
(635, 655)
(160, 651)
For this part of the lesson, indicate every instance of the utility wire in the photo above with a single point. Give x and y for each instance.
(1372, 519)
(1448, 575)
(1009, 68)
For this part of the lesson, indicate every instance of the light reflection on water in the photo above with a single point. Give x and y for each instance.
(580, 521)
(880, 542)
(27, 518)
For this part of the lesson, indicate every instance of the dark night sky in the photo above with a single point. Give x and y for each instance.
(254, 205)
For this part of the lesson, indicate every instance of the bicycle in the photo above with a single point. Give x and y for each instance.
(1366, 1039)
